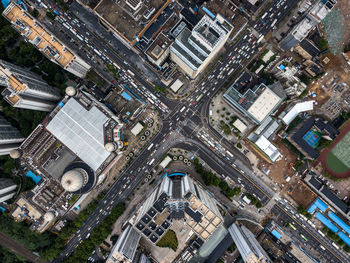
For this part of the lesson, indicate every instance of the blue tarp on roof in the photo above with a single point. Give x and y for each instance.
(339, 222)
(345, 238)
(282, 66)
(2, 209)
(277, 234)
(61, 104)
(35, 178)
(326, 222)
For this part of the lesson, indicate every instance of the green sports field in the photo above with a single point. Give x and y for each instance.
(335, 164)
(338, 159)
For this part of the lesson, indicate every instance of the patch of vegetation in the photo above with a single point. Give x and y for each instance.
(305, 79)
(239, 146)
(113, 70)
(298, 164)
(50, 14)
(169, 240)
(8, 256)
(302, 210)
(97, 235)
(253, 200)
(22, 234)
(159, 89)
(225, 128)
(323, 43)
(211, 179)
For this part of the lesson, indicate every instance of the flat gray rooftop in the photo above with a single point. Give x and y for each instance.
(82, 131)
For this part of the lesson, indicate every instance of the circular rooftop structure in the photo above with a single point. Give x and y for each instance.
(110, 147)
(73, 180)
(71, 91)
(15, 154)
(78, 178)
(49, 216)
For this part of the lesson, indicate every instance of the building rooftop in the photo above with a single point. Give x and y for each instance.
(296, 109)
(38, 35)
(258, 103)
(305, 134)
(309, 47)
(82, 131)
(268, 148)
(334, 199)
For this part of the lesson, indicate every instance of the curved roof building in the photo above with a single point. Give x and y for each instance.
(78, 178)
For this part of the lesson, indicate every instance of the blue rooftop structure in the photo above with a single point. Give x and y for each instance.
(345, 238)
(5, 3)
(282, 66)
(318, 204)
(277, 234)
(126, 95)
(206, 10)
(312, 208)
(61, 104)
(2, 209)
(326, 222)
(339, 222)
(35, 178)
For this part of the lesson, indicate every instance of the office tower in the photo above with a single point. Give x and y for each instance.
(10, 137)
(7, 189)
(25, 89)
(47, 43)
(247, 245)
(193, 51)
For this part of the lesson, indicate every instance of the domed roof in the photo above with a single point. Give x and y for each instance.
(49, 216)
(14, 154)
(72, 180)
(110, 147)
(71, 91)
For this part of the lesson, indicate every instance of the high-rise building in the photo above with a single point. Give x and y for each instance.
(125, 248)
(7, 189)
(44, 40)
(247, 245)
(25, 89)
(10, 137)
(177, 199)
(193, 51)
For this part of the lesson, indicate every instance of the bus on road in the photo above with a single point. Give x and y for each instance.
(198, 98)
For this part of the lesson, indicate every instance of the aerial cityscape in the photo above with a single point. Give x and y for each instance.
(161, 131)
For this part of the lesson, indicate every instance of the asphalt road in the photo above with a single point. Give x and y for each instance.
(288, 214)
(178, 126)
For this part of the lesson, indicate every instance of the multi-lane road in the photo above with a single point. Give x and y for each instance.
(180, 127)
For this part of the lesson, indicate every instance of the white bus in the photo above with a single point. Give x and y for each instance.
(130, 72)
(150, 147)
(264, 15)
(183, 108)
(230, 154)
(151, 162)
(274, 22)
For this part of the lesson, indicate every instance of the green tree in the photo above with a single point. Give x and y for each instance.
(159, 89)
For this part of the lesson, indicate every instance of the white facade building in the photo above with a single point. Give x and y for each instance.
(193, 51)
